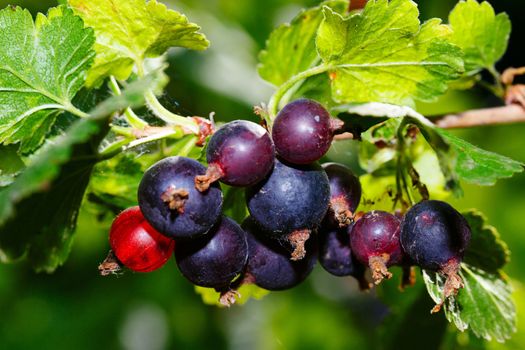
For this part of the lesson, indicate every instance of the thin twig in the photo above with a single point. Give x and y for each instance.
(479, 117)
(476, 117)
(344, 136)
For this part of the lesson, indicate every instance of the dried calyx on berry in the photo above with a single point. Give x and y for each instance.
(240, 153)
(170, 203)
(345, 194)
(375, 242)
(290, 203)
(435, 236)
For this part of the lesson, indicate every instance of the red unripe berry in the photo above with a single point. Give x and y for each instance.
(136, 244)
(357, 4)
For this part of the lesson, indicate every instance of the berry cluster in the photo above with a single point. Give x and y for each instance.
(289, 197)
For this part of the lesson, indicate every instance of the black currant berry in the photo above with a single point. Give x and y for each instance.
(345, 194)
(171, 204)
(269, 265)
(215, 259)
(335, 254)
(136, 244)
(435, 236)
(240, 153)
(303, 131)
(375, 242)
(290, 203)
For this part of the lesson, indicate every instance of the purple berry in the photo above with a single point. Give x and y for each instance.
(375, 242)
(335, 254)
(345, 194)
(290, 203)
(269, 265)
(435, 236)
(240, 153)
(215, 259)
(171, 204)
(303, 131)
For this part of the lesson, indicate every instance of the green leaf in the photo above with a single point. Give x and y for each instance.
(378, 192)
(133, 95)
(43, 64)
(129, 31)
(385, 132)
(384, 55)
(185, 147)
(115, 181)
(316, 88)
(484, 305)
(379, 145)
(234, 203)
(486, 250)
(10, 164)
(445, 153)
(481, 34)
(363, 116)
(291, 47)
(478, 166)
(457, 157)
(398, 329)
(247, 291)
(38, 211)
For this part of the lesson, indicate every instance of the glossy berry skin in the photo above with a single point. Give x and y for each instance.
(335, 253)
(292, 198)
(136, 244)
(243, 151)
(375, 234)
(214, 260)
(303, 131)
(345, 194)
(198, 211)
(269, 265)
(434, 233)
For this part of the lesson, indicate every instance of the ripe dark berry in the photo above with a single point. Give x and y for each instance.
(336, 257)
(240, 153)
(215, 259)
(136, 244)
(269, 265)
(435, 236)
(171, 204)
(375, 242)
(290, 203)
(303, 131)
(345, 194)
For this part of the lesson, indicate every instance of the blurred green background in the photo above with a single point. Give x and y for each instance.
(75, 308)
